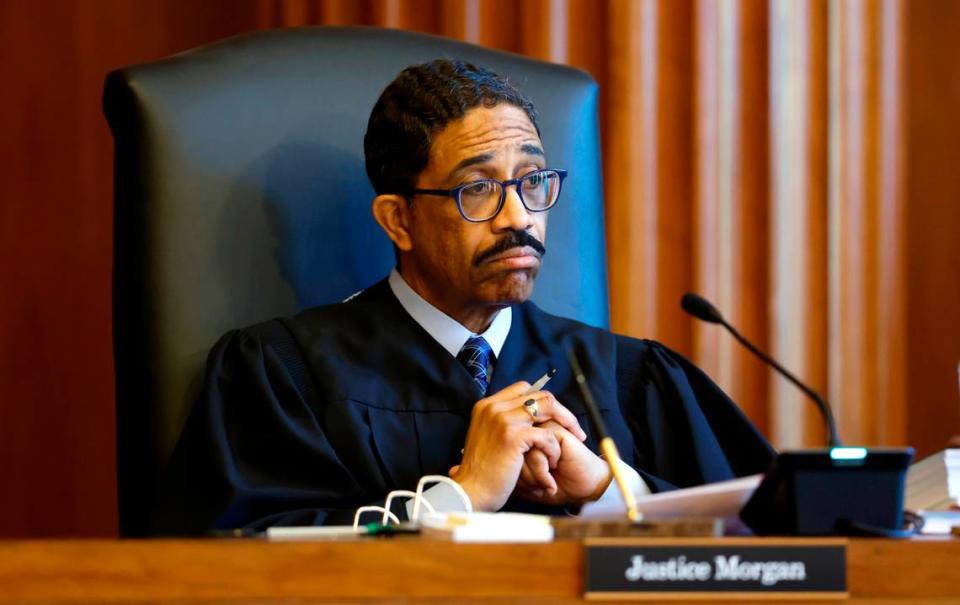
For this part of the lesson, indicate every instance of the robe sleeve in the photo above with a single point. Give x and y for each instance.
(254, 453)
(686, 431)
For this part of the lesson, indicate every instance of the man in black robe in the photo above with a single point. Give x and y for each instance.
(304, 419)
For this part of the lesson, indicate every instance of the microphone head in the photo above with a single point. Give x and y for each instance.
(700, 307)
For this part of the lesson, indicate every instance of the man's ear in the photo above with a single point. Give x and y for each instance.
(392, 212)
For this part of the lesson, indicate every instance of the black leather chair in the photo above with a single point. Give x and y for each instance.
(240, 195)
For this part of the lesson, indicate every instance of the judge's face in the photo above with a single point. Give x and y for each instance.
(461, 263)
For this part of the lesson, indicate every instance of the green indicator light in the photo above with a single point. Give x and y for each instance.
(848, 453)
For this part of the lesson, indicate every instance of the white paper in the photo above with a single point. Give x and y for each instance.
(939, 522)
(723, 499)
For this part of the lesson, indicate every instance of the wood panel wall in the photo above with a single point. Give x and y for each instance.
(56, 355)
(793, 160)
(931, 215)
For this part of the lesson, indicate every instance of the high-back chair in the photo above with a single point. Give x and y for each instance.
(240, 195)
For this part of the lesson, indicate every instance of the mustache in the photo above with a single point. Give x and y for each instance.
(513, 239)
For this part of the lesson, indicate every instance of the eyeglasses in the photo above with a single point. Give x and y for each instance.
(480, 201)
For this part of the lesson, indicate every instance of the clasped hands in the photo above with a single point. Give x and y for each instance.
(542, 459)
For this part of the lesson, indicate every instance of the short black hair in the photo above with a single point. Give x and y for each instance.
(419, 103)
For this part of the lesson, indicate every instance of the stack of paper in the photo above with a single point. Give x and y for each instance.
(934, 482)
(952, 459)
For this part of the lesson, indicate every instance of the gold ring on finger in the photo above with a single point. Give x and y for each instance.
(532, 407)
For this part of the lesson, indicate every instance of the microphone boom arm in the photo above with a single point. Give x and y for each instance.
(833, 439)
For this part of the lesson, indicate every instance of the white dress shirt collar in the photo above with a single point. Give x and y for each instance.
(444, 329)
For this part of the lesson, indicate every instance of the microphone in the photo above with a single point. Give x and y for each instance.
(699, 307)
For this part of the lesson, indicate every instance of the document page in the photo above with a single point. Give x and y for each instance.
(723, 499)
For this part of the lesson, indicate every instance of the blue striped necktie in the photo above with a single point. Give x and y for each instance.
(476, 356)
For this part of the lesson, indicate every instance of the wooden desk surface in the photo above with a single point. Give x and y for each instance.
(922, 570)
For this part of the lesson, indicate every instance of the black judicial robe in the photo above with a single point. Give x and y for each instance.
(304, 419)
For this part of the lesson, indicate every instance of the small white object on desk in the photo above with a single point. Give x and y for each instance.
(322, 532)
(486, 527)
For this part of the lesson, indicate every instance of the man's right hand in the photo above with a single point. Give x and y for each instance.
(501, 432)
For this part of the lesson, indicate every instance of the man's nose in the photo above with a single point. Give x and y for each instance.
(514, 215)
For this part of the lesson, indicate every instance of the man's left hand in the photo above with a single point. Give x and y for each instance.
(581, 476)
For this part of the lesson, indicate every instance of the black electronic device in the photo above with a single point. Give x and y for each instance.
(842, 490)
(831, 491)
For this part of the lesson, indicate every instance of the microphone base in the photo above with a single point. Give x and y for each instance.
(826, 492)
